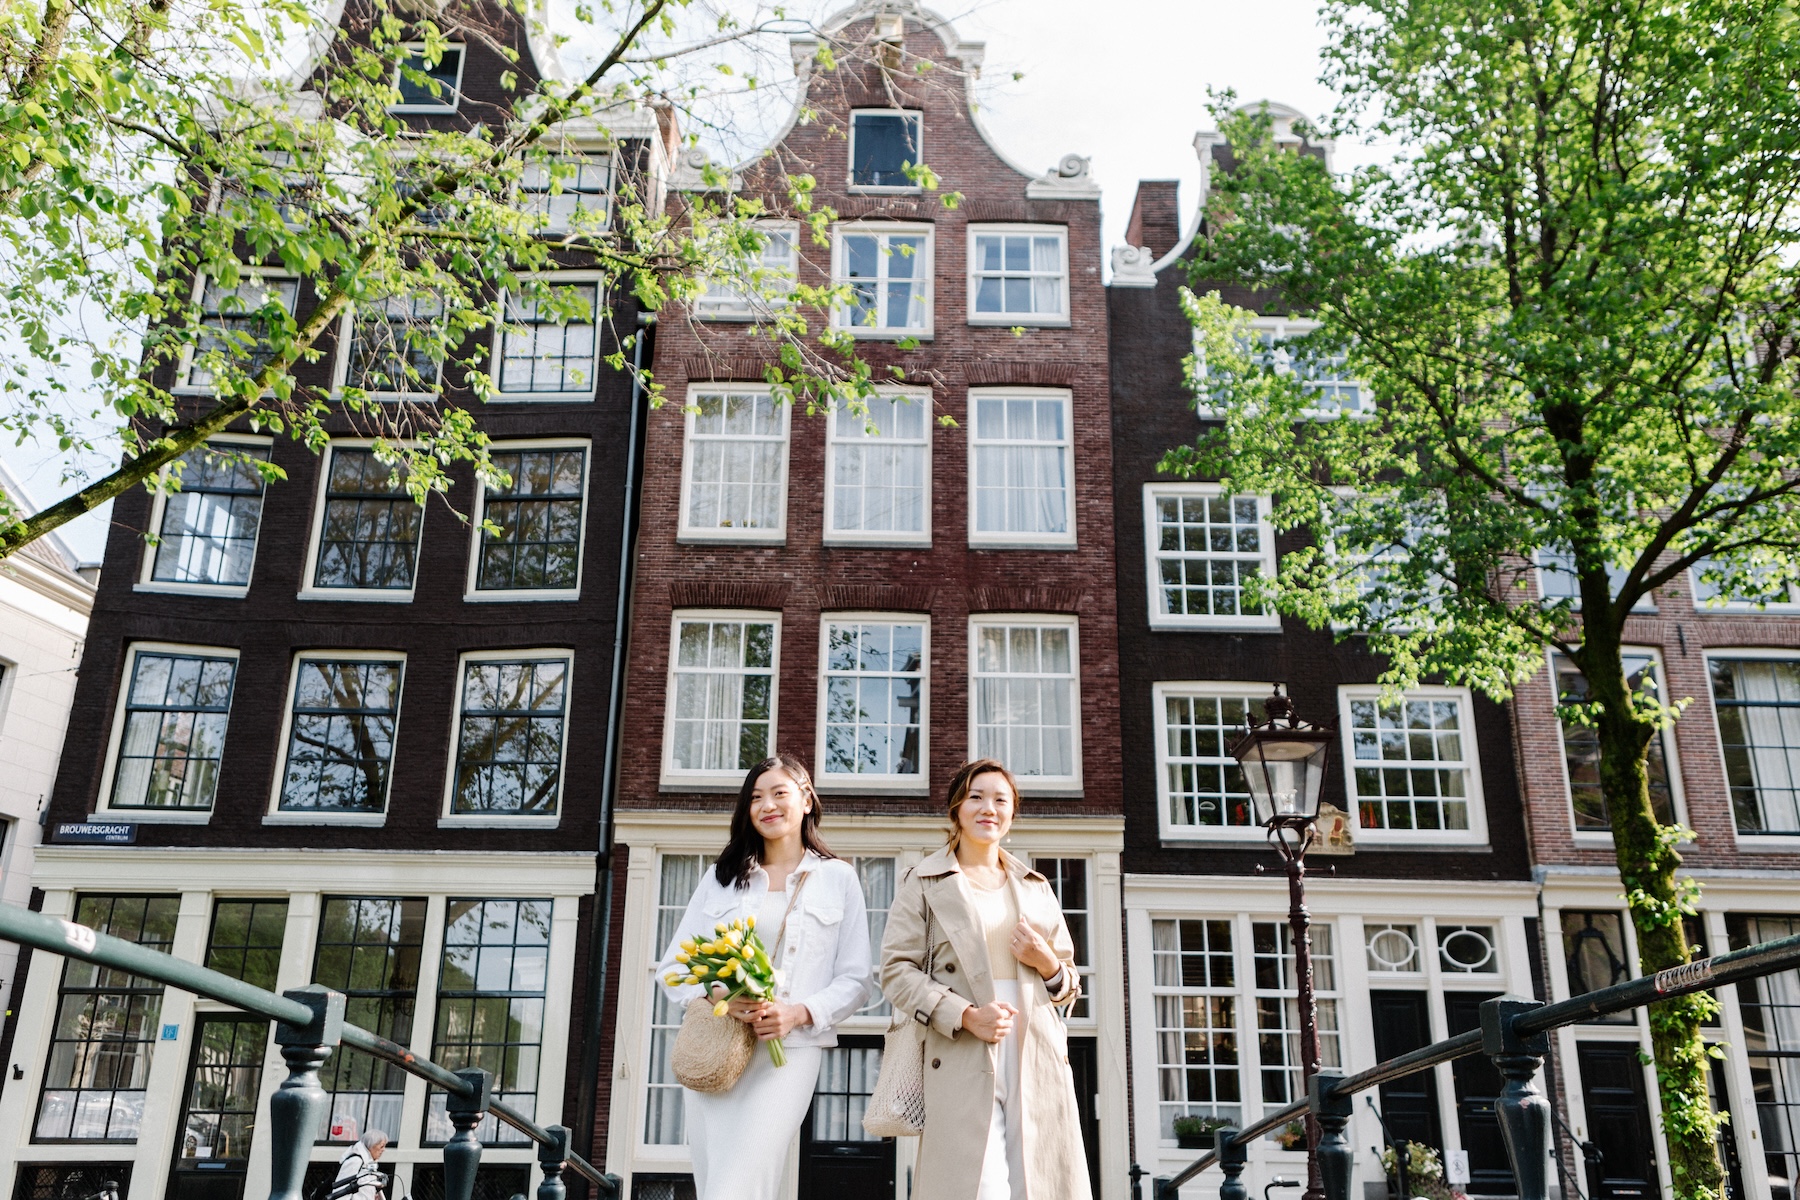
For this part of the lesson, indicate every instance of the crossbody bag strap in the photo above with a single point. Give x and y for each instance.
(797, 882)
(921, 1016)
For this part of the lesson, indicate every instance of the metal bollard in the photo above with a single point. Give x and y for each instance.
(462, 1153)
(1523, 1111)
(299, 1106)
(551, 1159)
(1234, 1156)
(1332, 1111)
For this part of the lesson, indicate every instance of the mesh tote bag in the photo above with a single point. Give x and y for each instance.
(897, 1106)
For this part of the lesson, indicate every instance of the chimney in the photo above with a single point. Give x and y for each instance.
(1155, 220)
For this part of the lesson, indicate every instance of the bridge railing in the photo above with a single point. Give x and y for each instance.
(309, 1024)
(1514, 1033)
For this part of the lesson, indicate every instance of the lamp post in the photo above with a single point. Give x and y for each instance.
(1283, 761)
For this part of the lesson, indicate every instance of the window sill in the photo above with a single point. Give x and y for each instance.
(1376, 839)
(1005, 543)
(722, 783)
(1777, 842)
(522, 596)
(338, 395)
(290, 817)
(863, 333)
(743, 537)
(880, 785)
(1050, 789)
(1217, 625)
(221, 591)
(1235, 835)
(477, 821)
(877, 189)
(377, 596)
(441, 110)
(877, 541)
(586, 397)
(989, 321)
(153, 816)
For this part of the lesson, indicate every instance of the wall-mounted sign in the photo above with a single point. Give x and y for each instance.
(171, 1033)
(95, 833)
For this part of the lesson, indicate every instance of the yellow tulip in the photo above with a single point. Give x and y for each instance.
(692, 979)
(681, 956)
(720, 1008)
(749, 922)
(671, 980)
(719, 928)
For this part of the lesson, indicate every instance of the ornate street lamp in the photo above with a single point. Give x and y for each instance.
(1284, 761)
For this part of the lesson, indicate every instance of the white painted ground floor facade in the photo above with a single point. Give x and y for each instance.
(832, 1158)
(465, 957)
(1611, 1098)
(1397, 964)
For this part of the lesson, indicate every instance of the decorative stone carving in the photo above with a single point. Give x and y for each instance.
(1133, 266)
(1069, 179)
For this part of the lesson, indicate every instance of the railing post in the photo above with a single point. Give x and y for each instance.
(298, 1108)
(1234, 1156)
(1332, 1111)
(1523, 1111)
(462, 1153)
(551, 1158)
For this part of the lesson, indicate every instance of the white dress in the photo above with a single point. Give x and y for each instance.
(1003, 1166)
(729, 1133)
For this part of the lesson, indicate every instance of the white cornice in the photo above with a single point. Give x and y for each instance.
(69, 590)
(857, 831)
(281, 872)
(1324, 895)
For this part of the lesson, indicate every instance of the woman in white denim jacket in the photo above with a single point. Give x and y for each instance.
(774, 865)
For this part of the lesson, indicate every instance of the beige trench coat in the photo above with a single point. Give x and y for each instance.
(959, 1067)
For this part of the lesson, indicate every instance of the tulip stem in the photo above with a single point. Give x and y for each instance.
(777, 1055)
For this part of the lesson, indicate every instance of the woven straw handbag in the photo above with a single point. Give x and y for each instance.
(710, 1053)
(897, 1106)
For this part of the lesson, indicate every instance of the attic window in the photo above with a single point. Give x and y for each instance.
(441, 87)
(883, 143)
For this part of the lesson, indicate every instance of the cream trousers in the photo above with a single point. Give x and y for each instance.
(1003, 1166)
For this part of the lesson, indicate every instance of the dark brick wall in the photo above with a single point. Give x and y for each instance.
(1155, 220)
(948, 577)
(270, 624)
(1152, 412)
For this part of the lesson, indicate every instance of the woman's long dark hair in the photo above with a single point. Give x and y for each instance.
(744, 848)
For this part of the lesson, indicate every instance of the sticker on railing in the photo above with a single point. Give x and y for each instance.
(1685, 976)
(80, 937)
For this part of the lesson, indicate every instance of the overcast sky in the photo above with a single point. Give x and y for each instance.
(1124, 82)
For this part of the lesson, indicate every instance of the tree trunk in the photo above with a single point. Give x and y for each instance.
(1648, 862)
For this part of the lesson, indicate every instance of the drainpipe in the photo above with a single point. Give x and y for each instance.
(601, 937)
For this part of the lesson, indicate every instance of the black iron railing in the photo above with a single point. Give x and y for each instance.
(1514, 1033)
(309, 1023)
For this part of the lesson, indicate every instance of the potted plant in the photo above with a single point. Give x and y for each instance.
(1424, 1173)
(1291, 1136)
(1195, 1133)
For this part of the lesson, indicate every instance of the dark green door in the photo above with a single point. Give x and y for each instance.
(218, 1110)
(1409, 1105)
(1618, 1120)
(837, 1159)
(1478, 1085)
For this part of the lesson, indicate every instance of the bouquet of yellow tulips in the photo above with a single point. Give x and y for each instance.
(737, 960)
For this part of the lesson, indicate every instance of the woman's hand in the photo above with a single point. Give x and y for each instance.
(1030, 948)
(775, 1019)
(990, 1022)
(742, 1008)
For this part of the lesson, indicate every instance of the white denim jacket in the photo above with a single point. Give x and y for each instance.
(825, 961)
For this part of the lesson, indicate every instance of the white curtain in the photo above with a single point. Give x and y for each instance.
(1771, 721)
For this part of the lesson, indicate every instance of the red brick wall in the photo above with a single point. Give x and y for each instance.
(1681, 634)
(946, 574)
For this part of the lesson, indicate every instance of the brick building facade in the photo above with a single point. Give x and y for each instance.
(317, 738)
(787, 561)
(1432, 910)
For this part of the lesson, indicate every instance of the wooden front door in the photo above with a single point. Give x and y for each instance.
(1618, 1121)
(837, 1159)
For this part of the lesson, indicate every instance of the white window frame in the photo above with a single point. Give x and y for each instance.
(159, 506)
(1280, 329)
(1703, 608)
(1616, 575)
(918, 119)
(446, 104)
(308, 591)
(574, 155)
(686, 531)
(472, 592)
(340, 372)
(570, 279)
(924, 273)
(682, 779)
(1477, 832)
(450, 819)
(1024, 541)
(1008, 320)
(116, 737)
(276, 815)
(185, 366)
(893, 785)
(1671, 758)
(878, 537)
(1153, 552)
(728, 305)
(1033, 785)
(1747, 841)
(1160, 693)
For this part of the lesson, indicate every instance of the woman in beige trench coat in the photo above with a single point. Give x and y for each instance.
(1000, 1117)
